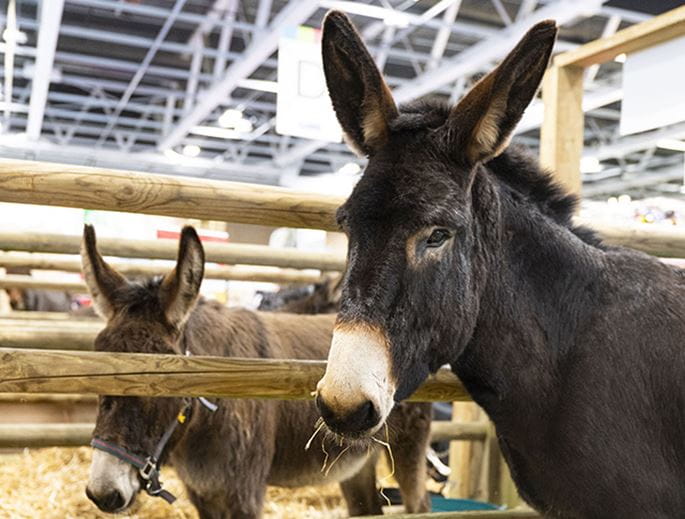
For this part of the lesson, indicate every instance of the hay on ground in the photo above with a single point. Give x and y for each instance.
(50, 483)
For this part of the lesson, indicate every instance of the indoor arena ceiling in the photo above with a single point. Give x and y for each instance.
(135, 83)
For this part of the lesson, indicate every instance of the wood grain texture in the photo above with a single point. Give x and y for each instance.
(640, 36)
(45, 337)
(127, 191)
(19, 435)
(65, 263)
(46, 316)
(664, 241)
(138, 374)
(561, 135)
(45, 435)
(16, 281)
(452, 431)
(168, 249)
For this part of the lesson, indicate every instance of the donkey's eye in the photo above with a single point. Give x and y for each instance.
(437, 237)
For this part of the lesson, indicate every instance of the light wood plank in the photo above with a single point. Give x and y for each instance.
(640, 36)
(561, 135)
(139, 374)
(28, 182)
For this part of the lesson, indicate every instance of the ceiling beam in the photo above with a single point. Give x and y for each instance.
(494, 48)
(467, 62)
(259, 50)
(610, 187)
(50, 19)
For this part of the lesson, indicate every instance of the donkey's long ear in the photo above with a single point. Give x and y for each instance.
(102, 280)
(361, 99)
(181, 286)
(481, 124)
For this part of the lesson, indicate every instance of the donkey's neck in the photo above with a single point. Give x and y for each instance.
(541, 287)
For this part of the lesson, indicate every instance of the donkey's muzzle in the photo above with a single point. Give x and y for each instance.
(110, 502)
(358, 421)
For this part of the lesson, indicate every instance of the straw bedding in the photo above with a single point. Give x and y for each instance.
(50, 483)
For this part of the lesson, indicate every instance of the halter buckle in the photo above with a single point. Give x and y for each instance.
(147, 470)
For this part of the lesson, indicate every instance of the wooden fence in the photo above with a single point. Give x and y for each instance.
(66, 263)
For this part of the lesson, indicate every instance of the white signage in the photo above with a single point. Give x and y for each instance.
(303, 108)
(654, 87)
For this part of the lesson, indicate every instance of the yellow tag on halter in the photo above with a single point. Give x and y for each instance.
(181, 417)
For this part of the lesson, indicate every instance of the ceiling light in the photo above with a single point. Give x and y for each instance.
(671, 144)
(191, 150)
(216, 132)
(590, 164)
(230, 117)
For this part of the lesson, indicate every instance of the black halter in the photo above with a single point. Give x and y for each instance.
(148, 467)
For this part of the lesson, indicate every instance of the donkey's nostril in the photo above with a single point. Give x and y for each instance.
(326, 412)
(110, 502)
(359, 420)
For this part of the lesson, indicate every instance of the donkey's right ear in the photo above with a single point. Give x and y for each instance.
(102, 280)
(361, 99)
(181, 287)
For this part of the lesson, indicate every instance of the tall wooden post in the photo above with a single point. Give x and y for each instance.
(561, 136)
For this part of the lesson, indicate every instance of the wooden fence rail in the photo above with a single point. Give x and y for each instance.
(168, 249)
(31, 435)
(55, 317)
(24, 282)
(28, 182)
(139, 374)
(45, 435)
(66, 263)
(47, 337)
(95, 188)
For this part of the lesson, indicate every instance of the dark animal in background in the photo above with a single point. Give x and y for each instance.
(227, 457)
(318, 298)
(37, 300)
(462, 251)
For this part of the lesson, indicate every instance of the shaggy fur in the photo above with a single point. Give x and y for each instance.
(227, 458)
(575, 350)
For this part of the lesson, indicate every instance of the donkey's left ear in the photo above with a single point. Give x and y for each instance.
(180, 287)
(482, 123)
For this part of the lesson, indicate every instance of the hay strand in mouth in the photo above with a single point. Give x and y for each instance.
(323, 448)
(336, 460)
(319, 425)
(386, 444)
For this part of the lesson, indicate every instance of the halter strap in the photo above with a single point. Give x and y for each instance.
(148, 468)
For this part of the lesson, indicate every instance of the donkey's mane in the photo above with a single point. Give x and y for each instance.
(140, 295)
(516, 169)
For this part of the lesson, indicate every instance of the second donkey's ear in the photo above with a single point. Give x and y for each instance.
(102, 280)
(361, 99)
(180, 288)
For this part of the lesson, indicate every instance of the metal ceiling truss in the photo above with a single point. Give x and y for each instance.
(119, 84)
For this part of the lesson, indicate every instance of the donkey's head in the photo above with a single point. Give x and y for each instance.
(416, 265)
(142, 317)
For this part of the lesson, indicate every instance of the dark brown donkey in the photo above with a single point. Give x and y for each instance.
(462, 251)
(226, 456)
